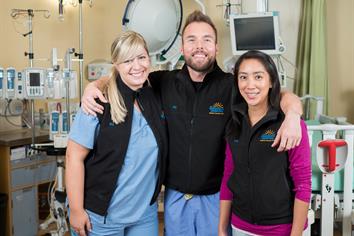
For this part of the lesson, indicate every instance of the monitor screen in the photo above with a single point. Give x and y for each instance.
(258, 31)
(35, 79)
(254, 33)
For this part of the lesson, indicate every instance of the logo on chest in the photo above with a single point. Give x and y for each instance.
(216, 109)
(268, 136)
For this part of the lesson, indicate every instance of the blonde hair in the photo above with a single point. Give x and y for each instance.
(124, 47)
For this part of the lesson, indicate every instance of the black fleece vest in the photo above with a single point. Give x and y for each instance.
(102, 168)
(196, 121)
(261, 181)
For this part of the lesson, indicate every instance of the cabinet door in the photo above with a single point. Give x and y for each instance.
(24, 212)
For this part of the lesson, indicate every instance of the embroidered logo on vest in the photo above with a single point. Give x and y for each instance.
(268, 136)
(216, 109)
(162, 116)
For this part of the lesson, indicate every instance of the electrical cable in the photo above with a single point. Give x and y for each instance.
(41, 149)
(289, 62)
(26, 123)
(5, 115)
(16, 28)
(48, 192)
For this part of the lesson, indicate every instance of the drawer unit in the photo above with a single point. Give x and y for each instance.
(46, 171)
(24, 176)
(31, 171)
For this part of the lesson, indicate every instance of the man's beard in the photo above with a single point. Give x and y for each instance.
(205, 67)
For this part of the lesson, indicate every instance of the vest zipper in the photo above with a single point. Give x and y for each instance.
(190, 145)
(251, 134)
(251, 180)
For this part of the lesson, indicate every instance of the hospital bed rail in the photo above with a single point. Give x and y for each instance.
(345, 131)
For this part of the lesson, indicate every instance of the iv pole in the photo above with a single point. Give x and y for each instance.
(30, 57)
(80, 54)
(58, 215)
(30, 12)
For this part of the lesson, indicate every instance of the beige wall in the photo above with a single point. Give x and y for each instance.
(102, 23)
(340, 31)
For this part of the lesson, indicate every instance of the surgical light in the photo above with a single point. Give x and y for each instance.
(159, 21)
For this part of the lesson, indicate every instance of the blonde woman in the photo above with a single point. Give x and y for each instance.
(115, 162)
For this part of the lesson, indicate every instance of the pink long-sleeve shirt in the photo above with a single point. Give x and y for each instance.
(300, 171)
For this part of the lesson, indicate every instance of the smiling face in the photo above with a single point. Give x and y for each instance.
(135, 70)
(199, 46)
(254, 83)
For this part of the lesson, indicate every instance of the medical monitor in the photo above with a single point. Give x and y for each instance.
(34, 80)
(257, 31)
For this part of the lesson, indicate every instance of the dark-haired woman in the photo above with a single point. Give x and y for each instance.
(266, 191)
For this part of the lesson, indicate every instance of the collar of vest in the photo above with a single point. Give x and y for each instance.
(240, 110)
(214, 73)
(127, 93)
(124, 89)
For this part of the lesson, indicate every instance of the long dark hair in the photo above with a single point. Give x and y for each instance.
(269, 65)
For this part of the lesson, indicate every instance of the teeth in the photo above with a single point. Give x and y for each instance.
(252, 95)
(199, 54)
(136, 74)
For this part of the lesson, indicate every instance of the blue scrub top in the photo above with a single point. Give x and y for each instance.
(137, 180)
